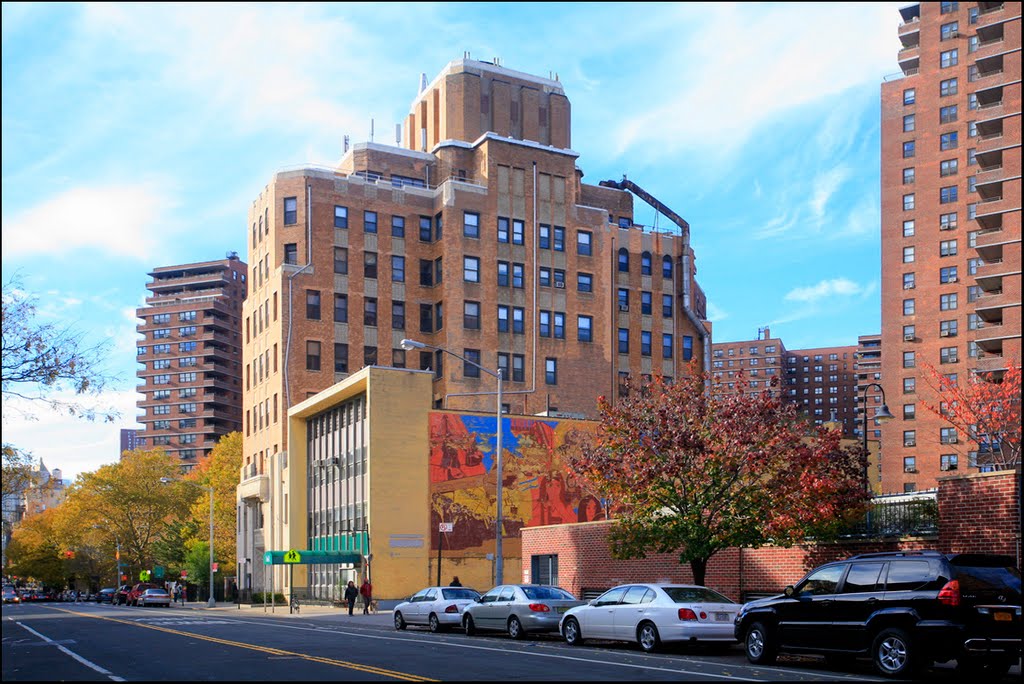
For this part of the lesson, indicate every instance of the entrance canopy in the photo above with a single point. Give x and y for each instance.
(306, 557)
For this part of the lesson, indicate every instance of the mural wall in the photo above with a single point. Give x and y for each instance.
(537, 487)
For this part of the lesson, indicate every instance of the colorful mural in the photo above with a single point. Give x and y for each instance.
(537, 487)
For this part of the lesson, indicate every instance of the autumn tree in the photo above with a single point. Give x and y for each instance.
(694, 472)
(35, 550)
(984, 408)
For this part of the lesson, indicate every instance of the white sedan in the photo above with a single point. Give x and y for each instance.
(652, 614)
(437, 607)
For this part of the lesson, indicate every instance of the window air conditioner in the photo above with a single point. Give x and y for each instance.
(559, 285)
(623, 307)
(910, 443)
(943, 333)
(952, 440)
(908, 338)
(953, 279)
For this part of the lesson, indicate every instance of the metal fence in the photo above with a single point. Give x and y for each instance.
(898, 515)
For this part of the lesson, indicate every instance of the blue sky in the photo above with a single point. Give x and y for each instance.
(136, 136)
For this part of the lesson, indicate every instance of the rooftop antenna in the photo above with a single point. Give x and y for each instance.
(371, 130)
(344, 145)
(423, 81)
(398, 134)
(761, 333)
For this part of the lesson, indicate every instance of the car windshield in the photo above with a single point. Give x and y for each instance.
(695, 595)
(547, 594)
(457, 593)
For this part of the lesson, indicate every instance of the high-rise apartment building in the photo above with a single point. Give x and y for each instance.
(821, 382)
(951, 229)
(475, 233)
(869, 399)
(191, 357)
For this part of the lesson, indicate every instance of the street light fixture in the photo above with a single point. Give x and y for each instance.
(882, 414)
(499, 559)
(211, 603)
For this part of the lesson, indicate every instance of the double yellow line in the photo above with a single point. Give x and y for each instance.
(268, 650)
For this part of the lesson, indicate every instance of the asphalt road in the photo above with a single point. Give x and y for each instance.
(87, 642)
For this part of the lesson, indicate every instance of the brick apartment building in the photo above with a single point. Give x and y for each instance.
(475, 233)
(821, 382)
(191, 357)
(951, 228)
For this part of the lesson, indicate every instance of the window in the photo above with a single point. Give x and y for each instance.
(470, 364)
(584, 328)
(544, 277)
(369, 222)
(908, 202)
(666, 306)
(949, 58)
(947, 221)
(544, 236)
(947, 114)
(518, 320)
(559, 278)
(623, 299)
(313, 305)
(909, 385)
(518, 366)
(948, 87)
(471, 315)
(623, 260)
(369, 264)
(947, 435)
(340, 216)
(517, 232)
(972, 101)
(908, 281)
(909, 360)
(948, 195)
(947, 274)
(948, 167)
(623, 340)
(370, 311)
(909, 438)
(502, 229)
(908, 176)
(545, 324)
(398, 226)
(908, 307)
(947, 462)
(909, 411)
(517, 276)
(161, 364)
(645, 343)
(559, 330)
(972, 15)
(471, 269)
(948, 328)
(503, 365)
(910, 464)
(948, 355)
(559, 239)
(666, 266)
(909, 96)
(645, 303)
(584, 243)
(949, 31)
(426, 319)
(503, 274)
(438, 316)
(908, 255)
(398, 315)
(291, 207)
(425, 229)
(369, 356)
(948, 7)
(908, 149)
(645, 263)
(972, 182)
(947, 248)
(666, 345)
(397, 268)
(470, 224)
(584, 282)
(398, 358)
(948, 141)
(438, 225)
(503, 312)
(974, 322)
(187, 316)
(291, 253)
(908, 228)
(972, 157)
(341, 260)
(312, 355)
(947, 302)
(908, 123)
(551, 371)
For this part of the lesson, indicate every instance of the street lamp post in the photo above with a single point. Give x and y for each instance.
(882, 414)
(499, 560)
(211, 603)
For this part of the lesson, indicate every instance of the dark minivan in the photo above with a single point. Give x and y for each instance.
(903, 609)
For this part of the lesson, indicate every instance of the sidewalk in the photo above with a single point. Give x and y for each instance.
(310, 610)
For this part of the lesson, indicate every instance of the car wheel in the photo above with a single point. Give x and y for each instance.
(572, 633)
(468, 625)
(515, 628)
(435, 624)
(893, 653)
(989, 668)
(758, 645)
(647, 637)
(399, 621)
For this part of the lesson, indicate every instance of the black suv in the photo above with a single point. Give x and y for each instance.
(903, 609)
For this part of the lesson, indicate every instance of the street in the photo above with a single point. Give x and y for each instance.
(89, 642)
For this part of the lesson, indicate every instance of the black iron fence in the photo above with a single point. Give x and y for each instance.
(898, 515)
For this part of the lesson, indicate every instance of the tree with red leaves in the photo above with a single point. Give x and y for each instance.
(694, 472)
(985, 408)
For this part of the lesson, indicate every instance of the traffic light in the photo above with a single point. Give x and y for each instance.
(124, 578)
(69, 554)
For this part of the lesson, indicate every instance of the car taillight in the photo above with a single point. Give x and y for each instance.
(687, 614)
(949, 595)
(703, 615)
(539, 608)
(452, 609)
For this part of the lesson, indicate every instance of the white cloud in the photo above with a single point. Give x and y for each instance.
(825, 186)
(121, 220)
(716, 314)
(837, 287)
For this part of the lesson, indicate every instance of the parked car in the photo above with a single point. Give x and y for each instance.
(105, 595)
(652, 614)
(902, 609)
(518, 609)
(11, 595)
(136, 592)
(439, 608)
(154, 597)
(121, 595)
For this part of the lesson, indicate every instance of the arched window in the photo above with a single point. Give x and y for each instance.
(624, 260)
(666, 267)
(645, 263)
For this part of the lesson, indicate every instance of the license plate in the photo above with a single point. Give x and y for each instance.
(1002, 617)
(562, 609)
(721, 617)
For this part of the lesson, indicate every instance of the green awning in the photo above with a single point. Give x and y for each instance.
(308, 557)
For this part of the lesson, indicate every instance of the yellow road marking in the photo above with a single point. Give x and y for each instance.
(369, 669)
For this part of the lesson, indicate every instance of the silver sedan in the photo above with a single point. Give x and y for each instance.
(519, 609)
(437, 607)
(651, 614)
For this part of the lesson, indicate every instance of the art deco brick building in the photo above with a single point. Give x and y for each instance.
(475, 233)
(951, 228)
(191, 357)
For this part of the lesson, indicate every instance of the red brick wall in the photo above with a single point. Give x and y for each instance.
(584, 561)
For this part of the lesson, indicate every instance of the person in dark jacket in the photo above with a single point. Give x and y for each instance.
(351, 593)
(455, 582)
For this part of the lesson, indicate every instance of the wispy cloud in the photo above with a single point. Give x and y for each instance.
(824, 289)
(716, 314)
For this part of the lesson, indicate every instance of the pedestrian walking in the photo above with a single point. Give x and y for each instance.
(350, 595)
(366, 591)
(455, 582)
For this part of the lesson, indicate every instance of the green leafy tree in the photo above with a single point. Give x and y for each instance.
(693, 472)
(35, 550)
(197, 562)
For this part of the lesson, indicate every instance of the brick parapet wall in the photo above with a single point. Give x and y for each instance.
(585, 563)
